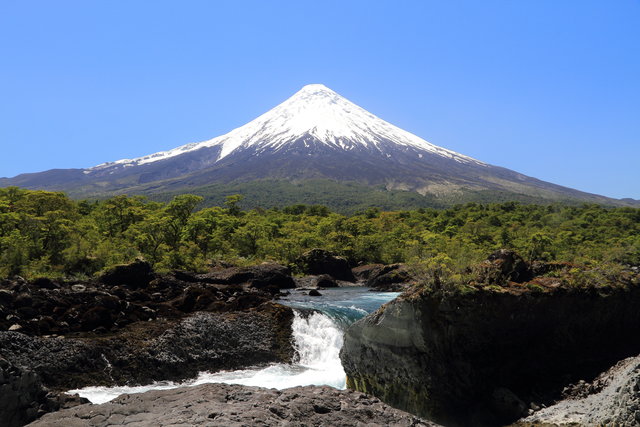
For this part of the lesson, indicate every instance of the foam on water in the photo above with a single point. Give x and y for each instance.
(318, 340)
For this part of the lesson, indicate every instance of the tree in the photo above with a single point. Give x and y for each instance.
(114, 216)
(232, 203)
(178, 212)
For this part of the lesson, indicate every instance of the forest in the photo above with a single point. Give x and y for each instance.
(48, 234)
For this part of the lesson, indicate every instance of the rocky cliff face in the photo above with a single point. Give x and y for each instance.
(23, 397)
(485, 356)
(160, 350)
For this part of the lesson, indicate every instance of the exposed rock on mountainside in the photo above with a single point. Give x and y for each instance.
(314, 135)
(482, 354)
(235, 405)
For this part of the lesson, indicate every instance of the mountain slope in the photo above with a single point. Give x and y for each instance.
(314, 135)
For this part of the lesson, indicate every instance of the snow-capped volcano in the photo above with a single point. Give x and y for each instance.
(314, 112)
(315, 136)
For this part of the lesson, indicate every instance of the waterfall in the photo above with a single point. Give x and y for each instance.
(317, 338)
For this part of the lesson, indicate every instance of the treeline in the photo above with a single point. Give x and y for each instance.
(47, 234)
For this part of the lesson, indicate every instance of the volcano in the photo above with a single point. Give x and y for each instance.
(314, 136)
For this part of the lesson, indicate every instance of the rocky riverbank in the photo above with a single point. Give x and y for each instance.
(506, 342)
(234, 405)
(133, 326)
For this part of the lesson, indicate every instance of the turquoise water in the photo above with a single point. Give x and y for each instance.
(343, 305)
(318, 329)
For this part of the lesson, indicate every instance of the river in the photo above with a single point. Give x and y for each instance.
(318, 338)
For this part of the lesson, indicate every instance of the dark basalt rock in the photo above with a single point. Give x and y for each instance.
(44, 283)
(266, 275)
(88, 306)
(503, 266)
(235, 405)
(321, 281)
(21, 395)
(380, 277)
(134, 327)
(103, 333)
(151, 351)
(393, 277)
(612, 399)
(320, 261)
(364, 272)
(483, 357)
(325, 281)
(135, 275)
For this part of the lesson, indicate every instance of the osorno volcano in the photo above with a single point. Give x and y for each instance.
(314, 136)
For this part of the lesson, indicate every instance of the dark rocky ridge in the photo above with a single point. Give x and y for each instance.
(234, 405)
(482, 356)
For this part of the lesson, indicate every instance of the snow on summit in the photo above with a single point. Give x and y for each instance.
(314, 111)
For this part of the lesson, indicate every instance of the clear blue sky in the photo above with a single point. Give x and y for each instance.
(548, 88)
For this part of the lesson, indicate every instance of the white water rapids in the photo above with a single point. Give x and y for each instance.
(317, 339)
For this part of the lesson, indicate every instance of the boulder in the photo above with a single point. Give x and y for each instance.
(364, 272)
(321, 281)
(237, 405)
(325, 281)
(503, 266)
(44, 283)
(320, 261)
(380, 277)
(258, 276)
(135, 275)
(393, 278)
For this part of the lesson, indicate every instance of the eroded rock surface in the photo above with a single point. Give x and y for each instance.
(612, 399)
(161, 350)
(235, 405)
